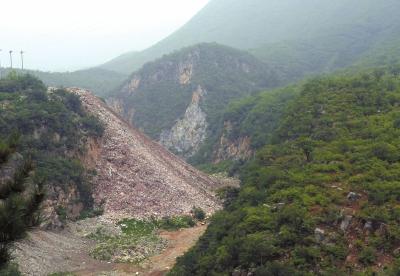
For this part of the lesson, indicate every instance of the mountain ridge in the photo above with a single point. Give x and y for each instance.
(273, 22)
(177, 99)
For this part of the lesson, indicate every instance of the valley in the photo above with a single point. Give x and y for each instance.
(261, 138)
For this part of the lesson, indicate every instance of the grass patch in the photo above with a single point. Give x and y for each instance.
(138, 239)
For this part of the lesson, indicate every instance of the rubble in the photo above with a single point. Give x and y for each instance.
(319, 235)
(137, 177)
(353, 196)
(346, 223)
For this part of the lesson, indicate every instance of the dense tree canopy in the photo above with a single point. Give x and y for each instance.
(322, 197)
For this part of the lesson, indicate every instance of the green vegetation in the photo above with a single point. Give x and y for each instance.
(175, 223)
(21, 193)
(98, 80)
(138, 239)
(10, 269)
(198, 213)
(41, 133)
(52, 128)
(137, 242)
(338, 136)
(255, 117)
(62, 274)
(298, 37)
(224, 73)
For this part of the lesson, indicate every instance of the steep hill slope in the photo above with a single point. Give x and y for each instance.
(137, 177)
(178, 98)
(246, 125)
(286, 31)
(52, 130)
(20, 198)
(322, 197)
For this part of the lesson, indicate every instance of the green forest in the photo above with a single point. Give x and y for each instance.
(222, 72)
(41, 135)
(321, 197)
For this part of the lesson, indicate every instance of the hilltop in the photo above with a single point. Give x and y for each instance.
(299, 36)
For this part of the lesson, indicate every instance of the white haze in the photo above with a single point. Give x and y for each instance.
(60, 35)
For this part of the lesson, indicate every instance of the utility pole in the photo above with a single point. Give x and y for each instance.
(10, 58)
(22, 60)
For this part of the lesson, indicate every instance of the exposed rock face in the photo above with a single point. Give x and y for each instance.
(185, 73)
(232, 149)
(319, 235)
(167, 98)
(68, 199)
(188, 133)
(139, 178)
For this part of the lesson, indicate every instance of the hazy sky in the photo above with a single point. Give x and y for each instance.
(62, 35)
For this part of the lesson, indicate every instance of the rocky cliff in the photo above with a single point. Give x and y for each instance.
(189, 132)
(178, 99)
(232, 149)
(137, 177)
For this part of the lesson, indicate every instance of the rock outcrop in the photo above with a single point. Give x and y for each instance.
(232, 149)
(188, 133)
(137, 177)
(177, 99)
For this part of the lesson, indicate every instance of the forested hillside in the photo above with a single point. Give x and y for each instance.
(52, 130)
(301, 36)
(179, 98)
(245, 125)
(20, 196)
(322, 196)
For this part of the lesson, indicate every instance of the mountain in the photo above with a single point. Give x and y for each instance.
(64, 156)
(178, 99)
(321, 197)
(42, 136)
(246, 125)
(310, 35)
(20, 199)
(137, 177)
(98, 80)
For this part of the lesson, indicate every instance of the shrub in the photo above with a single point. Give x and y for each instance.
(175, 223)
(367, 256)
(198, 213)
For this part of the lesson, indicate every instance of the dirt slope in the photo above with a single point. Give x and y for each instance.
(137, 177)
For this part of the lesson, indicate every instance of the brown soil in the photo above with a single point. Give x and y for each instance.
(137, 177)
(178, 243)
(46, 252)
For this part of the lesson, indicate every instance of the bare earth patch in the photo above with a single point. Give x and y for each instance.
(47, 252)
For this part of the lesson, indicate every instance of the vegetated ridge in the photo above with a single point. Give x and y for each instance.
(298, 36)
(179, 98)
(322, 196)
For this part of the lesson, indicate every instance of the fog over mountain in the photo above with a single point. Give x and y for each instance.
(70, 35)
